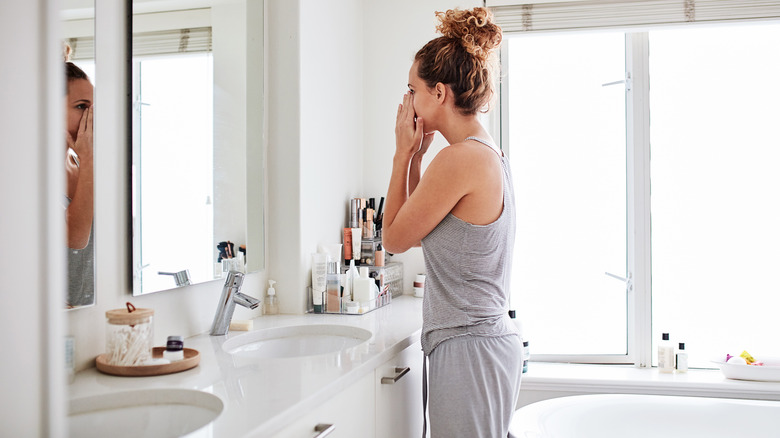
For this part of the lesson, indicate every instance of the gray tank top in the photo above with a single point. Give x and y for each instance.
(81, 272)
(468, 267)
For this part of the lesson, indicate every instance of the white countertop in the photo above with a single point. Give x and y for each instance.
(261, 397)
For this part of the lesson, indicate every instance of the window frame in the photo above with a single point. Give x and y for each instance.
(638, 244)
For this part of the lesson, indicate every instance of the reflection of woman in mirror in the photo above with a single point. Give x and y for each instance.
(462, 213)
(79, 187)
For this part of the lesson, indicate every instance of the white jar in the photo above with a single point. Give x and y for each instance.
(129, 336)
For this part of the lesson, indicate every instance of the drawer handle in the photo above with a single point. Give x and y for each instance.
(399, 372)
(324, 430)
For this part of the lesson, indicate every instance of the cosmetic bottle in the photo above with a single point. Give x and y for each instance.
(334, 253)
(354, 211)
(347, 245)
(333, 289)
(379, 257)
(362, 287)
(352, 274)
(319, 271)
(681, 359)
(665, 355)
(271, 300)
(174, 349)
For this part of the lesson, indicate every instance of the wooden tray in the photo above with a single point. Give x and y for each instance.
(191, 360)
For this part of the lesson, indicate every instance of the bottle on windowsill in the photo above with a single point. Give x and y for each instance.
(665, 355)
(681, 359)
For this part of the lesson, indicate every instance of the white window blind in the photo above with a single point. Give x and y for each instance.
(602, 14)
(162, 42)
(81, 48)
(167, 42)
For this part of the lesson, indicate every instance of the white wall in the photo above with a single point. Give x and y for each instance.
(394, 32)
(337, 71)
(331, 118)
(31, 187)
(315, 133)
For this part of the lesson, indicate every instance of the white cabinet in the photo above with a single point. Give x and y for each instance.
(350, 412)
(399, 395)
(369, 407)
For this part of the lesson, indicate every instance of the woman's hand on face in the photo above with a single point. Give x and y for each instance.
(82, 144)
(409, 137)
(426, 142)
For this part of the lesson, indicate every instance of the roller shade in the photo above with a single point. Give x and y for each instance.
(599, 14)
(163, 42)
(81, 48)
(166, 42)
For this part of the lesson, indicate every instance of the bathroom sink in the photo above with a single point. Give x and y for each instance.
(152, 412)
(296, 341)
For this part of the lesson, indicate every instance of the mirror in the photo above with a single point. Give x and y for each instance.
(197, 171)
(78, 26)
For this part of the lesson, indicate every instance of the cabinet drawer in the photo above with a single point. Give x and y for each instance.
(399, 395)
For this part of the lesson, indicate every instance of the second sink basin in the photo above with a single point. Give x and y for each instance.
(296, 341)
(152, 412)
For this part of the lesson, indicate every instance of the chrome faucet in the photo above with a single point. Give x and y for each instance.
(182, 278)
(227, 303)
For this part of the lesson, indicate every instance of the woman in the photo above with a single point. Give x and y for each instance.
(462, 213)
(79, 187)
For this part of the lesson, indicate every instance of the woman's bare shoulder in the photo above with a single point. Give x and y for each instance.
(465, 154)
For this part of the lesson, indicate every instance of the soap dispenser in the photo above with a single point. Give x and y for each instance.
(271, 301)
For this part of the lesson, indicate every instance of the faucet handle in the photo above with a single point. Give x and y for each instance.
(182, 278)
(234, 279)
(246, 300)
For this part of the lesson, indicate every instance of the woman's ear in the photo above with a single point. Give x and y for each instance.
(441, 92)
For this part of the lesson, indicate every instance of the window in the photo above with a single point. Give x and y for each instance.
(568, 156)
(174, 173)
(582, 113)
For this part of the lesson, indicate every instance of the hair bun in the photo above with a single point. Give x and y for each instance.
(473, 27)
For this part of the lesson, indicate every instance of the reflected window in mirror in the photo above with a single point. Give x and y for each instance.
(197, 170)
(79, 151)
(173, 113)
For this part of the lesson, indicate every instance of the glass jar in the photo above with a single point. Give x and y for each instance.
(129, 336)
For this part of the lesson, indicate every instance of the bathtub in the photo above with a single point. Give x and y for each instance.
(644, 416)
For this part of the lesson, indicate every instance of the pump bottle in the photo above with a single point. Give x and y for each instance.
(271, 301)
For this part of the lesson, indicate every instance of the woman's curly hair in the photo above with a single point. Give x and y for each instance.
(463, 57)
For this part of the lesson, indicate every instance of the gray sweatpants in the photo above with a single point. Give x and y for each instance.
(473, 385)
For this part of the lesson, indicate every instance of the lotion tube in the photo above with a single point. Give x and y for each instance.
(347, 245)
(319, 271)
(356, 243)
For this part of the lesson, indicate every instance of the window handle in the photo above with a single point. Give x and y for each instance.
(627, 281)
(626, 81)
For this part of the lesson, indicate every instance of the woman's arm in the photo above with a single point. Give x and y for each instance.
(415, 205)
(78, 215)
